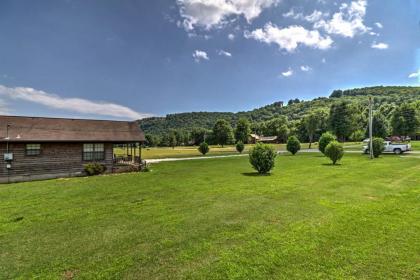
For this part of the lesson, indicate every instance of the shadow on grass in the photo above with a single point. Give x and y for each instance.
(331, 164)
(255, 174)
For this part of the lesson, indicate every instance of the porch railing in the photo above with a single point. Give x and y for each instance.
(126, 160)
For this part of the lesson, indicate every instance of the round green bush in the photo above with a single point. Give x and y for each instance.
(203, 148)
(325, 139)
(94, 168)
(334, 151)
(262, 158)
(377, 147)
(293, 145)
(240, 147)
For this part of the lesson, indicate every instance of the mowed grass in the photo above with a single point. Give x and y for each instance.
(189, 151)
(215, 219)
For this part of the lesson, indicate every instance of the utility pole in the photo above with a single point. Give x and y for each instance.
(370, 127)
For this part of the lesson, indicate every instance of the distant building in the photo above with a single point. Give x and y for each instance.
(36, 148)
(254, 138)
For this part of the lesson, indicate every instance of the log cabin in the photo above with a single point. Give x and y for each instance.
(37, 148)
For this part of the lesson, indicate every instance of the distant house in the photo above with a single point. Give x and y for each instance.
(36, 148)
(254, 138)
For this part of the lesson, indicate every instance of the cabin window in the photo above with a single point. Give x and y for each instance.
(33, 149)
(93, 152)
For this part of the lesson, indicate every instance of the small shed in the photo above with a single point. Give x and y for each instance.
(36, 148)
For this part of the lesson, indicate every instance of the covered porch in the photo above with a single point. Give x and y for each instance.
(127, 154)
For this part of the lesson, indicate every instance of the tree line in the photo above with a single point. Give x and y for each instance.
(346, 119)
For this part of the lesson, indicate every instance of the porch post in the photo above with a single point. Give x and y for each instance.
(133, 160)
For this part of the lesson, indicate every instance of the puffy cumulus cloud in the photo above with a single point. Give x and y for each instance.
(379, 25)
(77, 105)
(225, 53)
(348, 22)
(379, 46)
(200, 55)
(414, 75)
(231, 37)
(210, 14)
(287, 73)
(305, 68)
(290, 38)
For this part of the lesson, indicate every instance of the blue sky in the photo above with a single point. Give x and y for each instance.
(129, 59)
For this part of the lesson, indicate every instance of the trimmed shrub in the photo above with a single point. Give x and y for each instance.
(203, 148)
(94, 168)
(377, 146)
(262, 158)
(334, 151)
(293, 145)
(240, 147)
(325, 139)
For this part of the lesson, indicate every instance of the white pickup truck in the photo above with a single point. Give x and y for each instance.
(391, 148)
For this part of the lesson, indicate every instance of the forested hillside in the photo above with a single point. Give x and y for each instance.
(386, 99)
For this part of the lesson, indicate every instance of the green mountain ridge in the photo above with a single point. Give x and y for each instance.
(385, 97)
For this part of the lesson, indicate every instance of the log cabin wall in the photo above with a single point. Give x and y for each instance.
(55, 160)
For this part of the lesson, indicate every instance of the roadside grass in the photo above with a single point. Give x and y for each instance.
(215, 219)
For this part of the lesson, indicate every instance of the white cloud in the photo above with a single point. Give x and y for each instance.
(290, 38)
(231, 37)
(414, 75)
(287, 73)
(199, 55)
(348, 22)
(225, 53)
(210, 14)
(379, 46)
(379, 25)
(305, 68)
(314, 17)
(77, 105)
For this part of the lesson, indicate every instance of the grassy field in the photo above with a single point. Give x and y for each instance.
(215, 219)
(190, 151)
(178, 152)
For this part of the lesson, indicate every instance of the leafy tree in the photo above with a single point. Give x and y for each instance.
(377, 146)
(379, 126)
(325, 139)
(222, 131)
(172, 139)
(240, 147)
(334, 151)
(203, 148)
(262, 158)
(152, 140)
(198, 135)
(336, 94)
(293, 145)
(405, 120)
(313, 122)
(357, 136)
(278, 127)
(341, 120)
(242, 130)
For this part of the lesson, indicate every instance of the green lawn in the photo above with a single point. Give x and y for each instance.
(215, 219)
(188, 151)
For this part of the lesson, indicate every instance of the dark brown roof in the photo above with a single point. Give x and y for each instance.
(36, 129)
